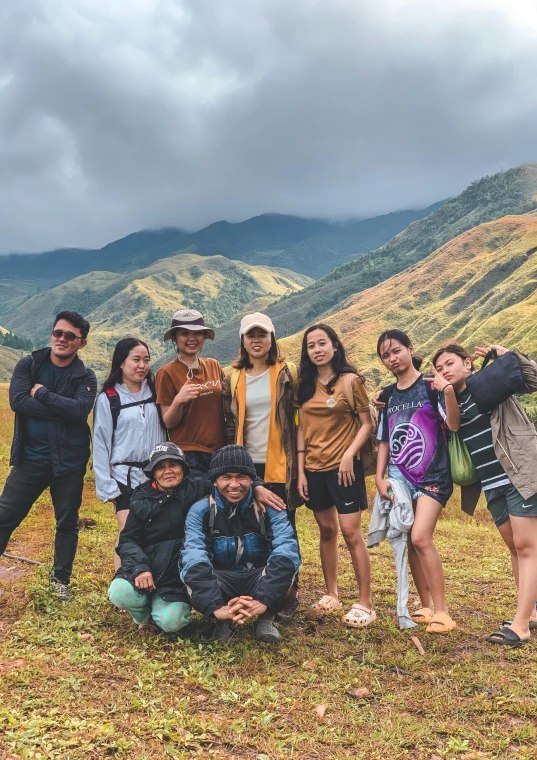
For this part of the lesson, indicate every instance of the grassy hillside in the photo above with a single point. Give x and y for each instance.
(310, 246)
(8, 358)
(478, 288)
(141, 303)
(511, 192)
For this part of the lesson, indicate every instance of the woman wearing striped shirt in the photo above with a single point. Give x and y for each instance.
(514, 516)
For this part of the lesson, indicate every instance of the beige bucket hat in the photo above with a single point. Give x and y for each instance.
(189, 319)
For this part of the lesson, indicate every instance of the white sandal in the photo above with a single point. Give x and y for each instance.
(325, 606)
(359, 617)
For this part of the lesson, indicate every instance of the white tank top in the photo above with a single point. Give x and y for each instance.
(257, 417)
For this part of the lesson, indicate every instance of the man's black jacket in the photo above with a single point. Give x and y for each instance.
(152, 537)
(67, 410)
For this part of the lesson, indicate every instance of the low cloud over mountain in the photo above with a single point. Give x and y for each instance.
(137, 113)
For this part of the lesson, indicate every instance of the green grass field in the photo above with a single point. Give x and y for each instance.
(77, 682)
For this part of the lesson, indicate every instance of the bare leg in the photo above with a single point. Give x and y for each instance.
(328, 530)
(525, 540)
(352, 533)
(121, 517)
(506, 532)
(418, 575)
(426, 516)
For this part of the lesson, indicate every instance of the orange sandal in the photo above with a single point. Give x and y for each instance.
(441, 623)
(325, 606)
(423, 615)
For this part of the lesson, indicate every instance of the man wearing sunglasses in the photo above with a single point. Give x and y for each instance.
(52, 394)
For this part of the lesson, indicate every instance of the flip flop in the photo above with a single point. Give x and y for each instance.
(506, 637)
(423, 615)
(441, 623)
(532, 625)
(359, 617)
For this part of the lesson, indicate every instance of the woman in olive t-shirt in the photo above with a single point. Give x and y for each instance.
(330, 474)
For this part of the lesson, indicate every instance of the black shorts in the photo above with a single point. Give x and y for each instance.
(123, 501)
(325, 492)
(279, 490)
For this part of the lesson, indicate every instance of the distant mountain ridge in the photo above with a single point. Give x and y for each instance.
(479, 288)
(141, 303)
(510, 192)
(308, 246)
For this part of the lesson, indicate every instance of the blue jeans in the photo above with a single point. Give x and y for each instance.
(394, 473)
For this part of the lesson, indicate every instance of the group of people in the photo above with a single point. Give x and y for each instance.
(205, 470)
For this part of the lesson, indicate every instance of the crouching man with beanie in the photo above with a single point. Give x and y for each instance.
(147, 585)
(238, 561)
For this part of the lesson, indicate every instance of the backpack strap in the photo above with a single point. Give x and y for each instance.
(348, 391)
(212, 513)
(115, 405)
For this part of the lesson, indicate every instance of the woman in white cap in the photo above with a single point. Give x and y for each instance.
(189, 392)
(259, 411)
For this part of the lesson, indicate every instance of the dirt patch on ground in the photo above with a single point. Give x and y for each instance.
(11, 569)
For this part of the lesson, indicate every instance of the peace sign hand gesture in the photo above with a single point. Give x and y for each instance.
(439, 383)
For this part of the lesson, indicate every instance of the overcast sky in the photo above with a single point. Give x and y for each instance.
(121, 114)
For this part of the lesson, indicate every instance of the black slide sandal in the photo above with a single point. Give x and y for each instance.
(506, 637)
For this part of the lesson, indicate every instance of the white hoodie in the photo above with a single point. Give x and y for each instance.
(138, 430)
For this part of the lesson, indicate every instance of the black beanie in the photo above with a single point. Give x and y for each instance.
(231, 459)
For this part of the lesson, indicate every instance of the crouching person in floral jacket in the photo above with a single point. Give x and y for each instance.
(238, 560)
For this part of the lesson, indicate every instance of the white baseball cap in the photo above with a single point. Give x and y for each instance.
(256, 320)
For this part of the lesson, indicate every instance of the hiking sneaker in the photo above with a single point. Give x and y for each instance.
(220, 631)
(288, 612)
(266, 631)
(149, 628)
(62, 591)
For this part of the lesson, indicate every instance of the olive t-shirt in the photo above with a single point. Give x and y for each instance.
(201, 428)
(329, 424)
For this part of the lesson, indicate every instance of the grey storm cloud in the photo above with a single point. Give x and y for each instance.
(120, 115)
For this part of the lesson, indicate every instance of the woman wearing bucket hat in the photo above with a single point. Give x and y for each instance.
(189, 392)
(147, 584)
(258, 398)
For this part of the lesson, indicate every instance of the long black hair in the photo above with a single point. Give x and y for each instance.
(402, 338)
(121, 351)
(308, 370)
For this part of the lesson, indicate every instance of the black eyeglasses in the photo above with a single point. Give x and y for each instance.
(67, 334)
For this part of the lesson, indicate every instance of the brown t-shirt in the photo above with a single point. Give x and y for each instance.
(201, 428)
(329, 424)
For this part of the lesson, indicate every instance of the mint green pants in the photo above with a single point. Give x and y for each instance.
(143, 605)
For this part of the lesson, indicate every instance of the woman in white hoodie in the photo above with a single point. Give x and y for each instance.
(127, 426)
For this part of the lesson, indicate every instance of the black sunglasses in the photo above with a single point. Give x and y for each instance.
(67, 334)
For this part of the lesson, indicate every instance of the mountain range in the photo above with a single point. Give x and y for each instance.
(142, 279)
(479, 288)
(308, 246)
(141, 302)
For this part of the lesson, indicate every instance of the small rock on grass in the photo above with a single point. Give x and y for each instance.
(362, 693)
